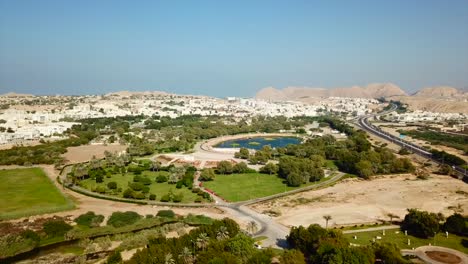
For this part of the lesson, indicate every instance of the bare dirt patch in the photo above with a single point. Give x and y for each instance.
(355, 201)
(443, 257)
(86, 152)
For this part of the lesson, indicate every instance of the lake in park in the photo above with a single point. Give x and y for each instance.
(259, 142)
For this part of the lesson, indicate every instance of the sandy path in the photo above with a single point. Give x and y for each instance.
(356, 201)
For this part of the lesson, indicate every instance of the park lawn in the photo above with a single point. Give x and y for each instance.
(26, 192)
(246, 186)
(159, 189)
(330, 164)
(365, 238)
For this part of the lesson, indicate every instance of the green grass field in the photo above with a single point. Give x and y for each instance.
(365, 238)
(241, 187)
(159, 189)
(26, 192)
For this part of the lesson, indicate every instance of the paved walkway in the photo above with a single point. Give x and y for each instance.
(370, 229)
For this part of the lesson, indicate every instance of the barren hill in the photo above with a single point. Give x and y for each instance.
(440, 92)
(375, 90)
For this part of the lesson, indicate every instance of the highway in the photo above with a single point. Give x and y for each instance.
(363, 122)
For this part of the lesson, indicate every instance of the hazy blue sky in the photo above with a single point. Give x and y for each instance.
(233, 47)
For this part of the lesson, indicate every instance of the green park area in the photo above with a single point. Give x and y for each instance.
(28, 192)
(246, 186)
(127, 181)
(399, 238)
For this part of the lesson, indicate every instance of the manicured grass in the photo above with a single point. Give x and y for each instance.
(365, 238)
(246, 186)
(26, 192)
(159, 189)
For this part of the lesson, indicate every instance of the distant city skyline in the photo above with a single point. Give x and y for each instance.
(229, 48)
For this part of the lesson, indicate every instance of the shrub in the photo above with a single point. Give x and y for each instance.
(139, 195)
(56, 228)
(145, 181)
(101, 189)
(114, 258)
(178, 198)
(166, 213)
(89, 219)
(198, 200)
(179, 184)
(207, 175)
(137, 178)
(166, 198)
(119, 219)
(136, 186)
(145, 189)
(152, 197)
(161, 179)
(128, 193)
(112, 185)
(30, 234)
(99, 178)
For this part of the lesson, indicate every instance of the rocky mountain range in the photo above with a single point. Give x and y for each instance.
(436, 99)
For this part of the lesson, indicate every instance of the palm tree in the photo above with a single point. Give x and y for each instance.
(155, 165)
(252, 227)
(327, 218)
(222, 233)
(391, 216)
(186, 256)
(202, 241)
(168, 259)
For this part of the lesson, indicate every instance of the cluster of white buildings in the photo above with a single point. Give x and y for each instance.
(418, 116)
(26, 122)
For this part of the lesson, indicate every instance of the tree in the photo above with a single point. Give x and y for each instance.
(241, 246)
(168, 259)
(388, 253)
(420, 223)
(155, 165)
(364, 169)
(112, 185)
(294, 179)
(292, 256)
(240, 167)
(222, 233)
(456, 224)
(207, 175)
(269, 168)
(114, 258)
(244, 153)
(202, 241)
(252, 227)
(392, 216)
(327, 218)
(224, 167)
(89, 219)
(186, 256)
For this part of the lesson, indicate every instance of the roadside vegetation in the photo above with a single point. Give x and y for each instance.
(27, 192)
(459, 142)
(90, 231)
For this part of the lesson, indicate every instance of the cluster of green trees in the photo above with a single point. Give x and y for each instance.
(426, 224)
(139, 188)
(181, 133)
(320, 245)
(220, 242)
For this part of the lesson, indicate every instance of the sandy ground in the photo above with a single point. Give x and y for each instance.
(86, 152)
(355, 201)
